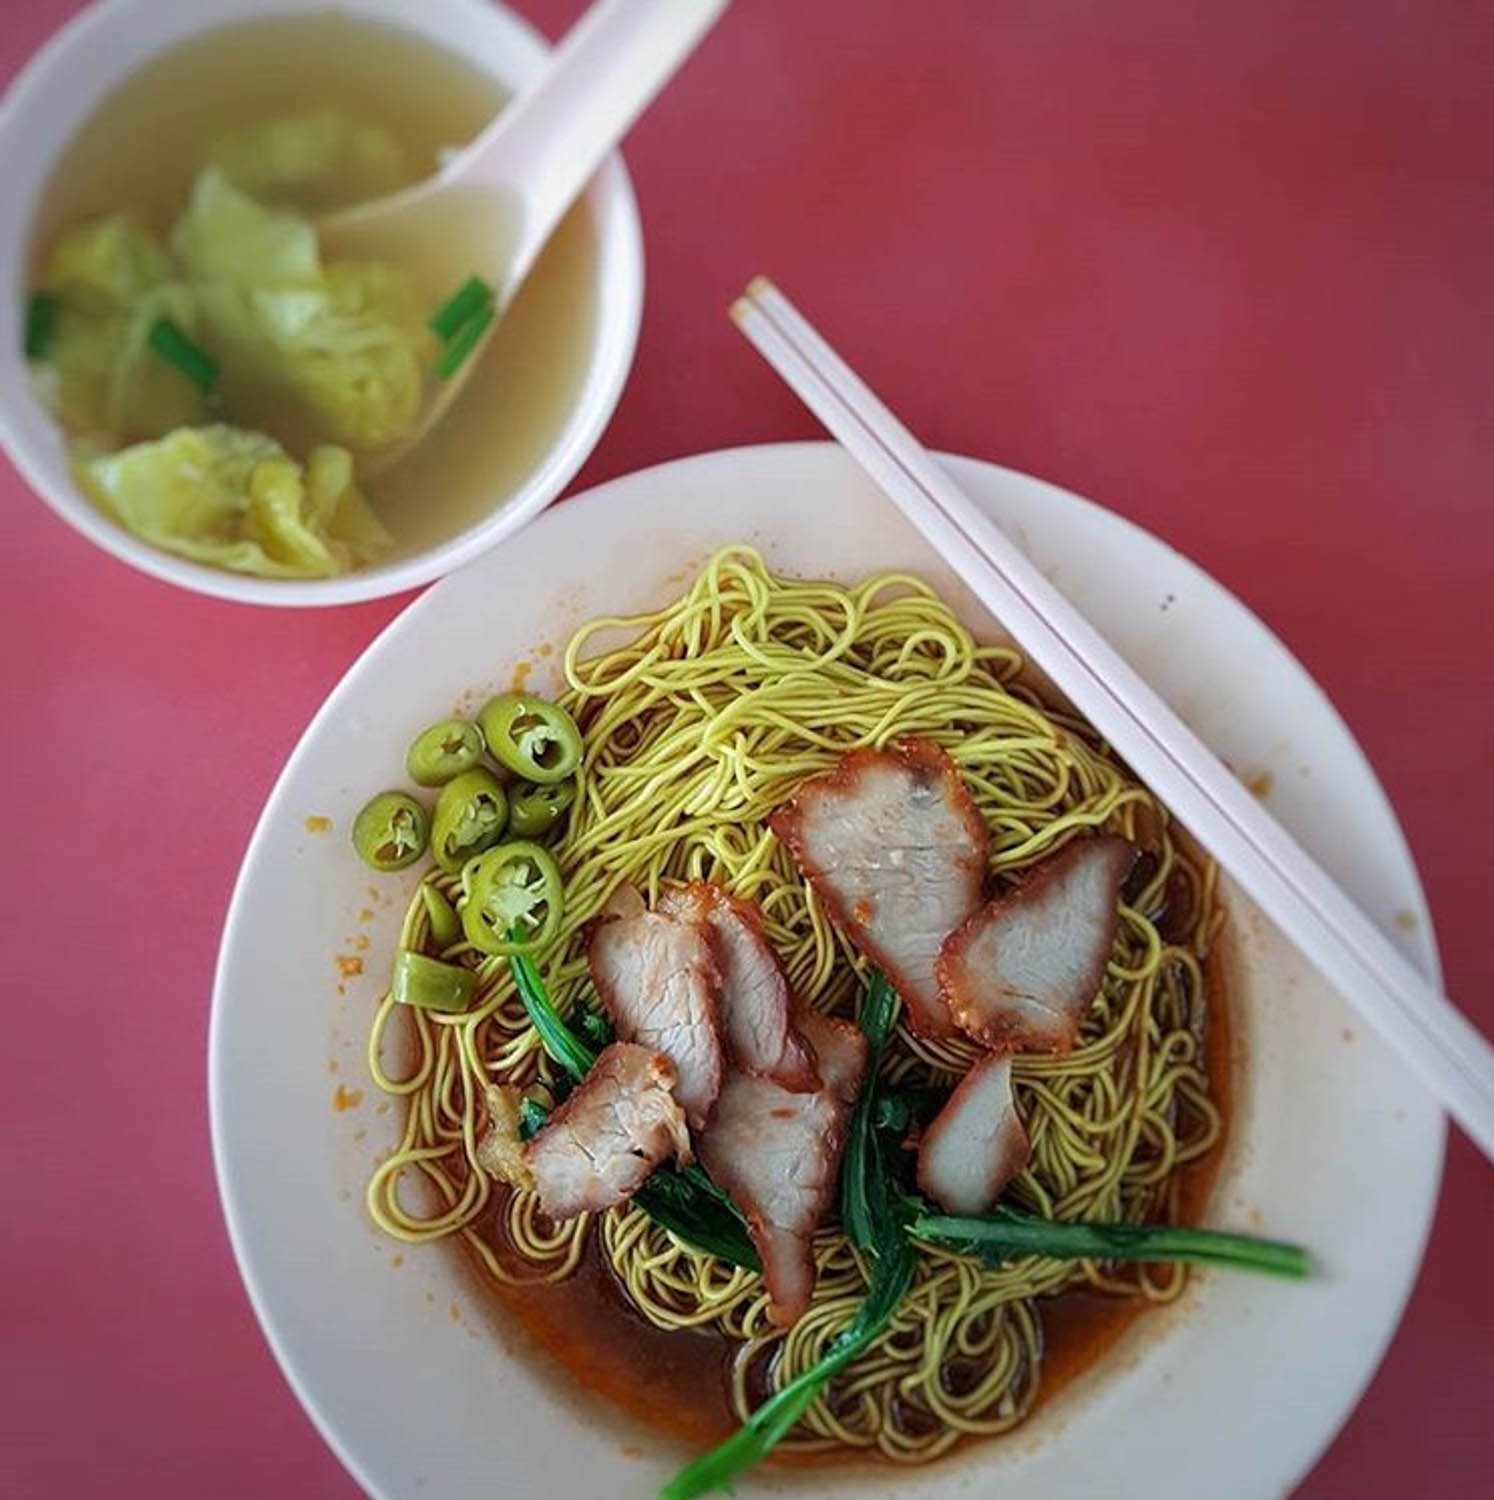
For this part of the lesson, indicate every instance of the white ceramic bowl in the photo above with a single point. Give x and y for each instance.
(62, 86)
(1229, 1394)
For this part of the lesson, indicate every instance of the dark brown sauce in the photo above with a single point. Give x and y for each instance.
(678, 1383)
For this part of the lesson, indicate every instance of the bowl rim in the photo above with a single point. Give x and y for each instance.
(30, 437)
(1424, 941)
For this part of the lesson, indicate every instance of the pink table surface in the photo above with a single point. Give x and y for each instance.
(1228, 268)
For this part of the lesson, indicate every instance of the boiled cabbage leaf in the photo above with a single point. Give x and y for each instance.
(111, 280)
(316, 160)
(225, 236)
(237, 500)
(337, 354)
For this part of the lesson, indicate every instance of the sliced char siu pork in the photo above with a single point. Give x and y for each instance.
(896, 850)
(976, 1143)
(757, 1011)
(601, 1144)
(1021, 973)
(659, 979)
(778, 1153)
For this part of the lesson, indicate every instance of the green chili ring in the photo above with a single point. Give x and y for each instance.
(429, 984)
(511, 900)
(471, 814)
(534, 811)
(444, 751)
(531, 737)
(390, 832)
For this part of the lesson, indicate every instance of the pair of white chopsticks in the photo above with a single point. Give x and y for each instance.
(1448, 1052)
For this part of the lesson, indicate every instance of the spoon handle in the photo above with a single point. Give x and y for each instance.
(543, 149)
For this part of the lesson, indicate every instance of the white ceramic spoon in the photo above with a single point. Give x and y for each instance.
(492, 207)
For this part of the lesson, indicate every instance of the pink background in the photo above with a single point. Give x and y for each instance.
(1229, 268)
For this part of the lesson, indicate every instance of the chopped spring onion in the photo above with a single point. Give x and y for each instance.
(464, 341)
(177, 349)
(451, 317)
(41, 319)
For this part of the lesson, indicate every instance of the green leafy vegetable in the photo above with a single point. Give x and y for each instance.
(689, 1205)
(861, 1181)
(532, 1116)
(471, 297)
(41, 320)
(238, 500)
(1006, 1232)
(898, 1110)
(178, 350)
(106, 266)
(314, 352)
(593, 1028)
(107, 283)
(228, 237)
(555, 1036)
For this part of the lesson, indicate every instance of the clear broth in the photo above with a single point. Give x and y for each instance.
(141, 149)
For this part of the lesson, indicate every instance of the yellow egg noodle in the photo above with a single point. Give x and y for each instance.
(706, 718)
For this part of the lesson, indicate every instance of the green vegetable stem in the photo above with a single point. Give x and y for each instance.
(1006, 1232)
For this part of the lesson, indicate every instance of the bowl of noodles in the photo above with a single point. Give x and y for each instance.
(452, 1312)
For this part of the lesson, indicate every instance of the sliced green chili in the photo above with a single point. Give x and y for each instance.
(177, 349)
(429, 984)
(533, 738)
(535, 811)
(390, 832)
(471, 814)
(440, 915)
(512, 899)
(41, 323)
(444, 751)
